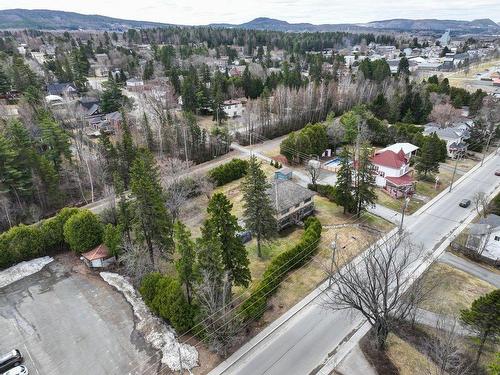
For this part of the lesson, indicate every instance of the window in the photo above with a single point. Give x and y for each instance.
(381, 173)
(497, 238)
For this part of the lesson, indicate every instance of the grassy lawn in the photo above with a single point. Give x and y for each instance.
(455, 290)
(397, 204)
(407, 358)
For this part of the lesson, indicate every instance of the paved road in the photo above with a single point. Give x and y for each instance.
(305, 340)
(69, 323)
(472, 268)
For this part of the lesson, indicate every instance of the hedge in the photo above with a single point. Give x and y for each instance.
(291, 259)
(327, 191)
(25, 242)
(228, 172)
(164, 296)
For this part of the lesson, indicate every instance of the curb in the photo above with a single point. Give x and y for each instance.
(331, 363)
(457, 182)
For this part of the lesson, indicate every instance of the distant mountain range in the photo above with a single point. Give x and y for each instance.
(476, 26)
(59, 20)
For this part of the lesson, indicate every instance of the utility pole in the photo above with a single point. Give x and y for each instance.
(454, 172)
(405, 204)
(334, 249)
(487, 148)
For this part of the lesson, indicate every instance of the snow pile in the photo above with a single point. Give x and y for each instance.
(155, 331)
(23, 269)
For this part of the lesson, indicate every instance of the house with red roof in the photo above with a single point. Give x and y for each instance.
(393, 172)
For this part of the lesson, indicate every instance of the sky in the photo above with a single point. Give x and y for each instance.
(200, 12)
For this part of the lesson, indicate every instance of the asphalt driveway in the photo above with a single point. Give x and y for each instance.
(66, 321)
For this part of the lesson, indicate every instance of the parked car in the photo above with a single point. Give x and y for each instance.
(497, 172)
(12, 359)
(464, 203)
(18, 370)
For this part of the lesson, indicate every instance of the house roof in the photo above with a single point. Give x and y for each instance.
(404, 180)
(450, 133)
(100, 252)
(406, 147)
(59, 88)
(390, 159)
(492, 220)
(286, 194)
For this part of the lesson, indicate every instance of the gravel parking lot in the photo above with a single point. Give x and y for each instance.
(67, 321)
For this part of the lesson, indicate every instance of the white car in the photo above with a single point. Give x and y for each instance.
(18, 370)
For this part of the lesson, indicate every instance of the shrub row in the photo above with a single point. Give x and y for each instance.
(293, 258)
(25, 242)
(327, 191)
(164, 296)
(228, 172)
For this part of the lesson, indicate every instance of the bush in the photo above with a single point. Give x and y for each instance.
(53, 229)
(228, 172)
(164, 296)
(148, 287)
(83, 231)
(293, 258)
(24, 242)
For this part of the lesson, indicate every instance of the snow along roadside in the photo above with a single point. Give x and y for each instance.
(157, 333)
(23, 269)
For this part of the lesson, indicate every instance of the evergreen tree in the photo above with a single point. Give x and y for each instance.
(224, 227)
(5, 84)
(484, 318)
(152, 221)
(259, 212)
(148, 71)
(126, 152)
(428, 160)
(55, 140)
(364, 185)
(185, 265)
(380, 107)
(344, 185)
(112, 99)
(404, 67)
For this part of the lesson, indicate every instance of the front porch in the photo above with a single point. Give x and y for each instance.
(400, 187)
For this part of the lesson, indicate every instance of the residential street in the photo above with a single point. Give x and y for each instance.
(302, 343)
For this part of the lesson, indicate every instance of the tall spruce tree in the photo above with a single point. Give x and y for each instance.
(153, 224)
(259, 212)
(428, 160)
(185, 265)
(343, 186)
(364, 182)
(224, 227)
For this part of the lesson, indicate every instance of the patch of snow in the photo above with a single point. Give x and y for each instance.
(23, 269)
(158, 334)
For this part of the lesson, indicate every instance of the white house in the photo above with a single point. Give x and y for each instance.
(408, 149)
(233, 108)
(393, 173)
(135, 83)
(484, 237)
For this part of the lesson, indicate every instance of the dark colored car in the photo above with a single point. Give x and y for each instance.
(9, 360)
(497, 172)
(464, 203)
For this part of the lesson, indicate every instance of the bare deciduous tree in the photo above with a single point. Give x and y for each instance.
(445, 114)
(444, 350)
(480, 201)
(221, 324)
(375, 286)
(313, 167)
(135, 260)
